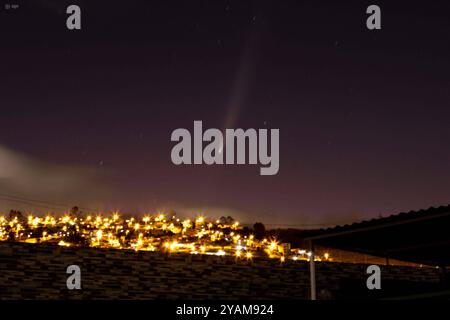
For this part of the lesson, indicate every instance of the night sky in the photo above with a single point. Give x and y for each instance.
(86, 116)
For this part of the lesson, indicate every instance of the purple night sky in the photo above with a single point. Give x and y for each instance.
(86, 116)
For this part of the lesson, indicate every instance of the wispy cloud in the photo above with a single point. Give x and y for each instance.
(23, 177)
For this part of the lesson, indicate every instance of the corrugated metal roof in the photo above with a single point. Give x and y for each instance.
(403, 217)
(418, 236)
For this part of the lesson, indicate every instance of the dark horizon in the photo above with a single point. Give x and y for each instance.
(363, 115)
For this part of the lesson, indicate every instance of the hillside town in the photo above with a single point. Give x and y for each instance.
(158, 232)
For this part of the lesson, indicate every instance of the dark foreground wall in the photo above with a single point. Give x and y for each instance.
(39, 272)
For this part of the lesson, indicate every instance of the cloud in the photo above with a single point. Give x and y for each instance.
(26, 182)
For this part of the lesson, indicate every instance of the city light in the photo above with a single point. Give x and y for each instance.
(149, 233)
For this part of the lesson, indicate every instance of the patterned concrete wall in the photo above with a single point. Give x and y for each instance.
(39, 272)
